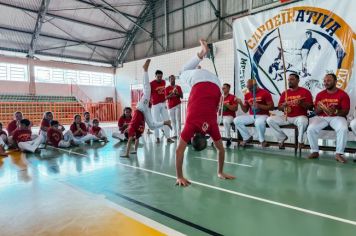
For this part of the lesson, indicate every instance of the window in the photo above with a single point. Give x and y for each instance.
(13, 72)
(62, 76)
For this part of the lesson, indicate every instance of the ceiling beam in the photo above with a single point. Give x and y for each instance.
(65, 18)
(132, 35)
(36, 33)
(96, 5)
(79, 42)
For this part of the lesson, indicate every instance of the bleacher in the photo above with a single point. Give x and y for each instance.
(33, 107)
(35, 98)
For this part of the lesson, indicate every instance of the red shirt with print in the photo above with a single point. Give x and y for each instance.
(262, 97)
(229, 100)
(22, 135)
(54, 136)
(293, 99)
(175, 99)
(157, 91)
(338, 100)
(74, 128)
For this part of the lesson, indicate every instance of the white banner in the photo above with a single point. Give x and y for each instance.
(317, 38)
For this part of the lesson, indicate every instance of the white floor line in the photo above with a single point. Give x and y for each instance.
(140, 218)
(335, 218)
(231, 163)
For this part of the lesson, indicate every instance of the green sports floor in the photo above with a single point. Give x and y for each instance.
(275, 193)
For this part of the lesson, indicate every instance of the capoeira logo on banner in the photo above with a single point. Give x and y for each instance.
(315, 41)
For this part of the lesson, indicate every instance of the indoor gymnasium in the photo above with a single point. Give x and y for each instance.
(177, 117)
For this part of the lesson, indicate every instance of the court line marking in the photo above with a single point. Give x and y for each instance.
(227, 162)
(125, 211)
(335, 218)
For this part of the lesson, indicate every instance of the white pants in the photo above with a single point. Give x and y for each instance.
(175, 115)
(353, 126)
(3, 140)
(101, 135)
(143, 105)
(32, 145)
(260, 125)
(227, 120)
(119, 135)
(338, 123)
(44, 134)
(276, 121)
(82, 139)
(160, 114)
(66, 142)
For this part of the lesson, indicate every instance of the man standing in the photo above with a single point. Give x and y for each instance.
(173, 95)
(201, 118)
(260, 105)
(159, 108)
(299, 101)
(331, 107)
(229, 111)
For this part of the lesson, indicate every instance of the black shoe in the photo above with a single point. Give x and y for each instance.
(228, 143)
(233, 127)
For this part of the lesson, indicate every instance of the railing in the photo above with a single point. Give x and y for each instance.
(63, 112)
(80, 95)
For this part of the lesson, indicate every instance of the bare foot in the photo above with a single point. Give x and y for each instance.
(204, 48)
(146, 65)
(340, 158)
(313, 155)
(182, 182)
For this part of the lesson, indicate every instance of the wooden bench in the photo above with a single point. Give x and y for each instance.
(295, 144)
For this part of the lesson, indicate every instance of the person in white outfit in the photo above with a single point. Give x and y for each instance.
(331, 107)
(353, 125)
(174, 94)
(228, 111)
(56, 138)
(98, 132)
(3, 141)
(46, 123)
(22, 137)
(142, 114)
(258, 107)
(159, 107)
(299, 100)
(80, 132)
(88, 123)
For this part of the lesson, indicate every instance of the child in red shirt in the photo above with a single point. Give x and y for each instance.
(98, 132)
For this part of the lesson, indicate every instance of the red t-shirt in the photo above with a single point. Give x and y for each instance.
(83, 127)
(22, 135)
(137, 124)
(54, 136)
(175, 100)
(2, 132)
(338, 100)
(262, 97)
(123, 123)
(293, 98)
(11, 127)
(94, 130)
(202, 109)
(230, 100)
(157, 91)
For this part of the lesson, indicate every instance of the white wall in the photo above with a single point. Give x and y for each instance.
(131, 72)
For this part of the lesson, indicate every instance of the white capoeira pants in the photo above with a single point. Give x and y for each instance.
(338, 123)
(143, 106)
(227, 120)
(3, 140)
(353, 126)
(160, 114)
(32, 145)
(67, 138)
(260, 126)
(175, 115)
(101, 135)
(119, 135)
(276, 121)
(82, 139)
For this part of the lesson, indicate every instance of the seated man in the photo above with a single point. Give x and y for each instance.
(203, 104)
(79, 131)
(229, 111)
(123, 124)
(3, 141)
(22, 137)
(299, 101)
(142, 115)
(331, 107)
(98, 132)
(12, 126)
(259, 108)
(56, 138)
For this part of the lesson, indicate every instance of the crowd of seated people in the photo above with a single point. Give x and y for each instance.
(19, 135)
